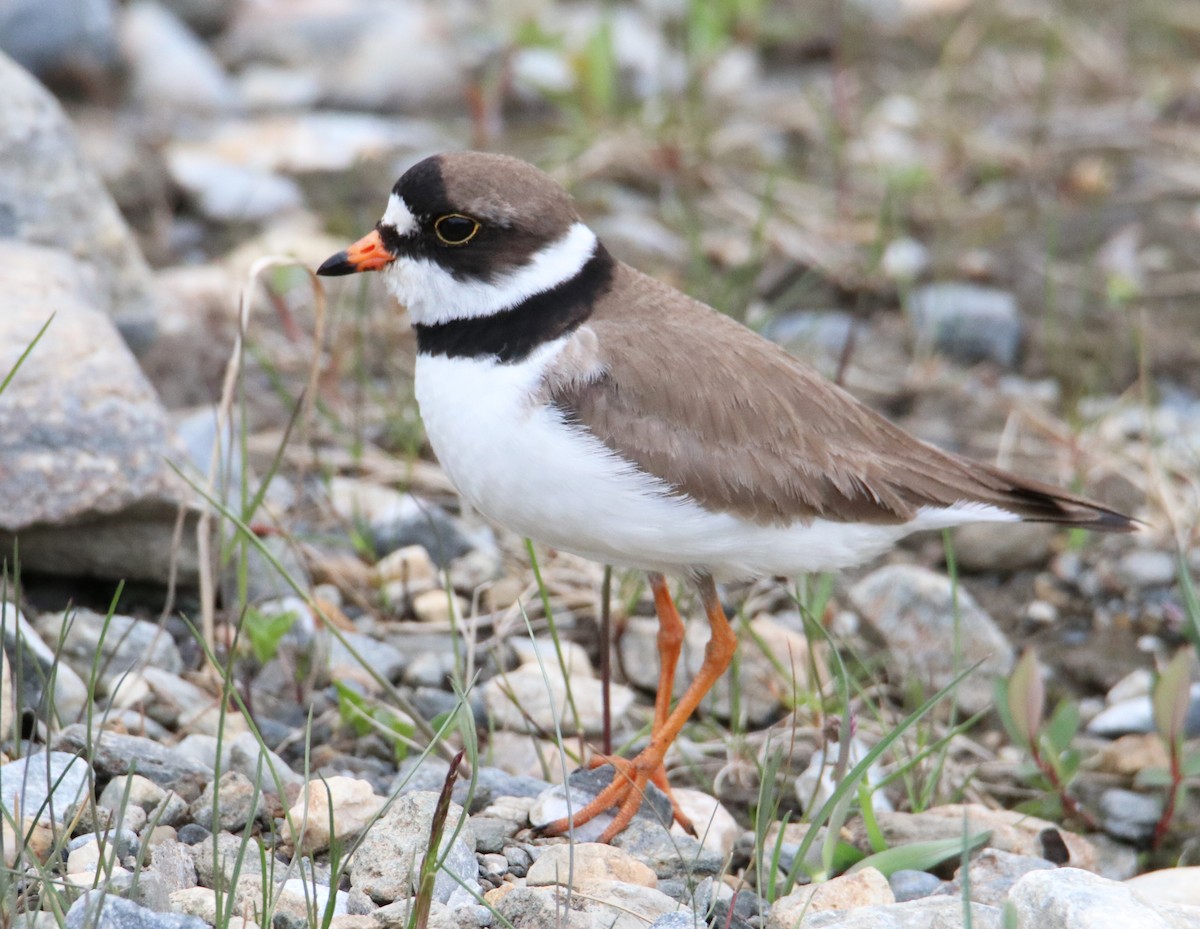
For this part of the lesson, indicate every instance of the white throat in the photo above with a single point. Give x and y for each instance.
(432, 295)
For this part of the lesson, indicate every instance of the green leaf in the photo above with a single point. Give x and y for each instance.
(1026, 698)
(1191, 764)
(921, 856)
(1171, 697)
(353, 709)
(1157, 776)
(265, 632)
(1063, 726)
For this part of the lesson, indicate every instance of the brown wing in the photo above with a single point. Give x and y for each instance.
(739, 425)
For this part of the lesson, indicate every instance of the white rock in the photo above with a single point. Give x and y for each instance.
(354, 805)
(1068, 898)
(171, 67)
(527, 692)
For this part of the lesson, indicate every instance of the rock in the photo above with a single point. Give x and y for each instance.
(673, 857)
(815, 784)
(1068, 898)
(543, 652)
(904, 260)
(436, 606)
(270, 575)
(818, 335)
(228, 856)
(83, 436)
(1003, 547)
(227, 192)
(43, 787)
(1169, 885)
(492, 834)
(118, 643)
(307, 896)
(967, 322)
(397, 521)
(396, 916)
(228, 804)
(1011, 831)
(406, 572)
(992, 874)
(867, 887)
(171, 70)
(1142, 568)
(926, 913)
(715, 825)
(913, 885)
(36, 667)
(97, 909)
(77, 36)
(774, 665)
(584, 785)
(1128, 815)
(582, 863)
(344, 804)
(910, 607)
(174, 863)
(542, 697)
(1136, 715)
(113, 754)
(249, 758)
(596, 905)
(387, 862)
(53, 198)
(1131, 754)
(8, 693)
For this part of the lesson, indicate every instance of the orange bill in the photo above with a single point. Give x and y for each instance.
(367, 254)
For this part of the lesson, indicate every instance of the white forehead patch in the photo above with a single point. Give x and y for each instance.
(399, 215)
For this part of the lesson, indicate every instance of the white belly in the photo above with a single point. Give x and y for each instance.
(519, 464)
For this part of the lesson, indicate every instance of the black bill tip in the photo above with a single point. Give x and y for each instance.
(337, 265)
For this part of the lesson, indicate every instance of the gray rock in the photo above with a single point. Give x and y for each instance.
(773, 664)
(113, 753)
(265, 581)
(677, 920)
(425, 524)
(122, 842)
(820, 335)
(529, 697)
(73, 35)
(967, 322)
(989, 547)
(585, 784)
(913, 885)
(227, 804)
(1142, 568)
(1136, 715)
(174, 864)
(911, 607)
(1128, 815)
(387, 863)
(170, 68)
(97, 909)
(992, 874)
(229, 856)
(50, 196)
(1069, 898)
(48, 687)
(44, 786)
(118, 644)
(492, 834)
(607, 904)
(227, 192)
(84, 438)
(244, 757)
(926, 913)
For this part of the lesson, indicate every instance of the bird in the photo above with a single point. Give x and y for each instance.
(586, 405)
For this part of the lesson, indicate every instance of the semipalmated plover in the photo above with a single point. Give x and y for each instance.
(583, 404)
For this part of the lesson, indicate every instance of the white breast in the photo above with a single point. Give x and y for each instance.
(520, 464)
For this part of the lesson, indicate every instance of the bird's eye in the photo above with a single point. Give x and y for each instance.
(455, 229)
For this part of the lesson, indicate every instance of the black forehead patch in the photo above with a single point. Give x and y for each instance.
(422, 188)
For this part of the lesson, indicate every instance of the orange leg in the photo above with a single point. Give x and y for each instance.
(624, 794)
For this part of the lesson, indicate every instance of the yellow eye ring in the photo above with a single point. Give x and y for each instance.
(455, 229)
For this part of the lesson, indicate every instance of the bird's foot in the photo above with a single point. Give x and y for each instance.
(624, 794)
